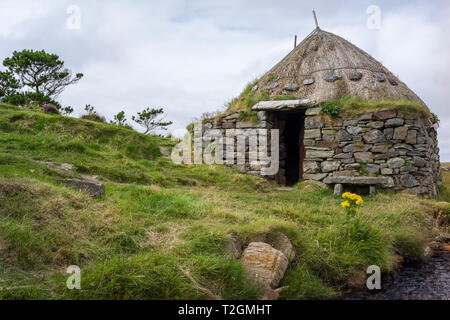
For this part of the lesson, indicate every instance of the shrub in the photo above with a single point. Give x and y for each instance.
(330, 109)
(50, 109)
(94, 117)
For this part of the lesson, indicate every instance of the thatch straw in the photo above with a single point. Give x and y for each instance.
(323, 54)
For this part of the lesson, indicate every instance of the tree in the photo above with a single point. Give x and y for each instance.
(8, 84)
(67, 111)
(151, 119)
(119, 119)
(89, 109)
(42, 72)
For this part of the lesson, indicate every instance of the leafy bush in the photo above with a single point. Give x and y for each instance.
(94, 117)
(330, 109)
(50, 109)
(27, 99)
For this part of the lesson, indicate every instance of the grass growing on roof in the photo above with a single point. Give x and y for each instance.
(352, 105)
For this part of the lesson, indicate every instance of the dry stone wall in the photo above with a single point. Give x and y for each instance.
(401, 148)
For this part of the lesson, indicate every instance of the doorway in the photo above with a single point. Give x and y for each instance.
(295, 151)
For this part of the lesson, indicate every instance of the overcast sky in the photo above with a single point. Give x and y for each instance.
(191, 57)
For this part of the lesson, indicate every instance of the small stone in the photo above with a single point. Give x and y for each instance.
(387, 171)
(314, 123)
(354, 130)
(380, 148)
(271, 86)
(385, 114)
(282, 243)
(312, 134)
(314, 154)
(372, 191)
(393, 82)
(389, 133)
(380, 78)
(94, 189)
(396, 163)
(411, 138)
(419, 162)
(308, 82)
(312, 111)
(330, 166)
(355, 76)
(338, 189)
(311, 167)
(374, 136)
(366, 157)
(395, 122)
(343, 136)
(66, 166)
(408, 181)
(372, 168)
(291, 87)
(333, 78)
(400, 133)
(376, 124)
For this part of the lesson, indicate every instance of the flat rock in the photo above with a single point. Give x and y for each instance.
(356, 180)
(94, 189)
(385, 114)
(265, 264)
(283, 105)
(291, 87)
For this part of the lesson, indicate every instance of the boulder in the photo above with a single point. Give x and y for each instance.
(282, 243)
(264, 264)
(94, 189)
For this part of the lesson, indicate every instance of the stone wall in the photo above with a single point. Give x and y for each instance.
(386, 143)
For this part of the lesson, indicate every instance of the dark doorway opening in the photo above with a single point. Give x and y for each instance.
(293, 135)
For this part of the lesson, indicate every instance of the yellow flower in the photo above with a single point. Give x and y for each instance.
(355, 209)
(359, 201)
(345, 204)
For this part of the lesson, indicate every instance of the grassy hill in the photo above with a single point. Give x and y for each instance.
(160, 231)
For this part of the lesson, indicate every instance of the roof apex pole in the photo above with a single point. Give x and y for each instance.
(315, 19)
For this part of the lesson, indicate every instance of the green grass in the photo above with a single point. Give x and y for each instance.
(352, 105)
(161, 229)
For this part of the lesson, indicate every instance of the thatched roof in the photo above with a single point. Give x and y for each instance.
(325, 66)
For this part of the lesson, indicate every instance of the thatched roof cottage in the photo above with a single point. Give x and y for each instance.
(344, 120)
